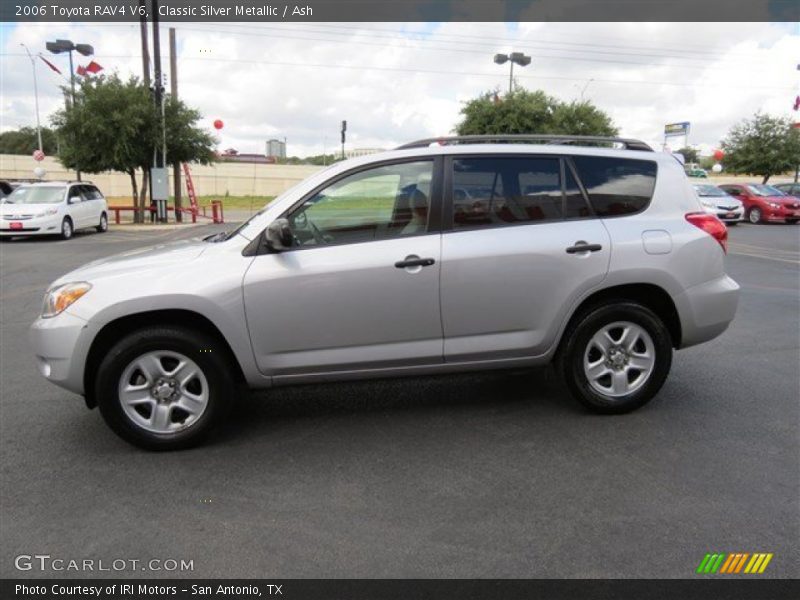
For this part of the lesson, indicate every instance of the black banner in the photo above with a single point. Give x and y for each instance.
(401, 10)
(403, 589)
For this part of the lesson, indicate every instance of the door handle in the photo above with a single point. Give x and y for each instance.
(583, 247)
(414, 262)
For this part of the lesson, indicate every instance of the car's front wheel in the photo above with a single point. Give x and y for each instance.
(164, 388)
(615, 357)
(755, 215)
(66, 228)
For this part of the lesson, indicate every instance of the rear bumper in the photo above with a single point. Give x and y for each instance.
(61, 344)
(706, 310)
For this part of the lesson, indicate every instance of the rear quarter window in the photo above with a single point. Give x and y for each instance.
(617, 186)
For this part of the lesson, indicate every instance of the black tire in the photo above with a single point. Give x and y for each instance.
(791, 221)
(205, 351)
(573, 349)
(67, 229)
(755, 215)
(102, 227)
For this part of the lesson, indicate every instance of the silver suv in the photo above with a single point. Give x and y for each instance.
(444, 255)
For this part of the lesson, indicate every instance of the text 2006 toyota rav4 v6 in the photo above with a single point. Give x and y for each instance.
(468, 254)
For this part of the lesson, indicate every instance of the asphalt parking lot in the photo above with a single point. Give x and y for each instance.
(479, 475)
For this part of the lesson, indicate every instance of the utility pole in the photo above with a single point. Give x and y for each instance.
(173, 90)
(158, 175)
(344, 130)
(138, 215)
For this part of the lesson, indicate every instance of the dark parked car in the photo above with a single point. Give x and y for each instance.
(791, 189)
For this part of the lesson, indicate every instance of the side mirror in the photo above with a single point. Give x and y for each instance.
(74, 199)
(279, 235)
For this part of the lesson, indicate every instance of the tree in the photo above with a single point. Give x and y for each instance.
(523, 111)
(114, 126)
(25, 141)
(690, 154)
(763, 145)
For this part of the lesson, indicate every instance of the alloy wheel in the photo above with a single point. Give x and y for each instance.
(619, 359)
(163, 392)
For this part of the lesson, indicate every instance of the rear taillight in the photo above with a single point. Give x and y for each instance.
(712, 226)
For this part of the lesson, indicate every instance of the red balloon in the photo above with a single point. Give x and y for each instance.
(218, 124)
(719, 154)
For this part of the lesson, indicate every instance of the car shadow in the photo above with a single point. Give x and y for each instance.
(537, 387)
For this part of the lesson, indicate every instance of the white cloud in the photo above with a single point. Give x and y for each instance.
(395, 82)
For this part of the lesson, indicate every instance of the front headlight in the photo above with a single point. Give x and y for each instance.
(58, 299)
(774, 205)
(708, 203)
(50, 211)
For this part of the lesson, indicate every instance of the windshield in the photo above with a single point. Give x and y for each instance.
(709, 190)
(764, 190)
(35, 195)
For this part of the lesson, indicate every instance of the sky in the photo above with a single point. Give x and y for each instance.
(396, 82)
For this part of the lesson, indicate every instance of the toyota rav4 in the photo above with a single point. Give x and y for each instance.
(454, 254)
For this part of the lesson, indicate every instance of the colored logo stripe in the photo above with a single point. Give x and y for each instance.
(734, 562)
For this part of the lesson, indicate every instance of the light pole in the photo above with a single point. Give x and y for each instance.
(35, 97)
(514, 58)
(60, 46)
(583, 91)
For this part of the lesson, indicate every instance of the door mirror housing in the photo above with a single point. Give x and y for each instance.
(278, 235)
(73, 199)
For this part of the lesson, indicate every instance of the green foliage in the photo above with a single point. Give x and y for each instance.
(763, 145)
(25, 141)
(317, 159)
(523, 111)
(690, 154)
(114, 126)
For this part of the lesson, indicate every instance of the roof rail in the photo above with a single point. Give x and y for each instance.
(626, 143)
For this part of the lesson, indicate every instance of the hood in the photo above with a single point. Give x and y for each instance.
(9, 209)
(149, 258)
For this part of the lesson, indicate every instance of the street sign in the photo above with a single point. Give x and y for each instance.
(676, 129)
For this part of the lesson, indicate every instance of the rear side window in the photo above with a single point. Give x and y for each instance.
(498, 191)
(616, 186)
(91, 193)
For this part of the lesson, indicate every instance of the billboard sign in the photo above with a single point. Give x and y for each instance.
(676, 129)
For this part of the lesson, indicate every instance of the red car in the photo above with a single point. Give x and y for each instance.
(764, 203)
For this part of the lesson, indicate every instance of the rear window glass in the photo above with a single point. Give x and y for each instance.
(617, 186)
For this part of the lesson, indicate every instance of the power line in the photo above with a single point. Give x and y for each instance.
(430, 71)
(537, 53)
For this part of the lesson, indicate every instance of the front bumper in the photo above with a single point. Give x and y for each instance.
(61, 345)
(46, 225)
(782, 215)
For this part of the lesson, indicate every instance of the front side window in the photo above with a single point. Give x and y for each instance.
(616, 186)
(499, 191)
(380, 203)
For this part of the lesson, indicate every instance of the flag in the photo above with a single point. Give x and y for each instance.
(81, 71)
(93, 68)
(49, 64)
(797, 103)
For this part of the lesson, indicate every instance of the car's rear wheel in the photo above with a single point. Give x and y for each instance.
(66, 228)
(754, 215)
(164, 388)
(102, 227)
(615, 357)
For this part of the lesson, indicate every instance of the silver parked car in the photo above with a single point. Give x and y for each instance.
(592, 253)
(718, 202)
